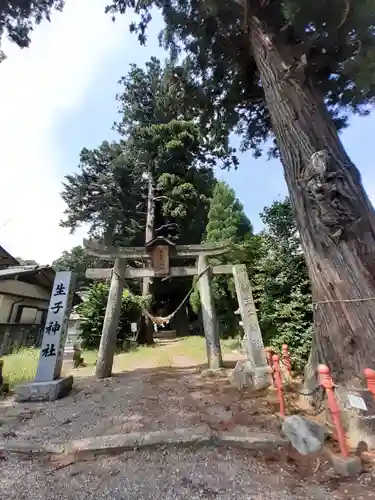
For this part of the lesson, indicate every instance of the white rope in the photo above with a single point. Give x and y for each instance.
(160, 320)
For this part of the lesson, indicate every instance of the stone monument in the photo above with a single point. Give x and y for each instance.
(48, 384)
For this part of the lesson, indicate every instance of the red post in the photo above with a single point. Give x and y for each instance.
(370, 379)
(286, 360)
(278, 383)
(269, 353)
(327, 382)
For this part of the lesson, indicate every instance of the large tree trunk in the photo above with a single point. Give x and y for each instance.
(149, 234)
(334, 216)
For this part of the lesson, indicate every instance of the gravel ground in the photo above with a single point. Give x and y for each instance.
(141, 400)
(151, 399)
(168, 474)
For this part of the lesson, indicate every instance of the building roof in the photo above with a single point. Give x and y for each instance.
(42, 276)
(159, 240)
(36, 275)
(6, 259)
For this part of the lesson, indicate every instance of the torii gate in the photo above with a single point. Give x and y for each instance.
(160, 251)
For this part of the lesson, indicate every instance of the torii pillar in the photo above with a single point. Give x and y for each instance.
(210, 323)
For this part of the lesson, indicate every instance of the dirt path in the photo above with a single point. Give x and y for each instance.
(165, 392)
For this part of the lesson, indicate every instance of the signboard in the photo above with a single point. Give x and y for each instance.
(55, 329)
(134, 327)
(357, 402)
(160, 260)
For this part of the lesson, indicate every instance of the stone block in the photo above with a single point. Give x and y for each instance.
(345, 467)
(211, 373)
(304, 435)
(166, 334)
(119, 443)
(261, 378)
(44, 391)
(242, 437)
(245, 375)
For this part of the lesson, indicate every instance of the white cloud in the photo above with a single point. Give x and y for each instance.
(38, 86)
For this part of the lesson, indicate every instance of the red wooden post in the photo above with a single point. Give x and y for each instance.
(327, 382)
(269, 353)
(370, 379)
(279, 383)
(286, 360)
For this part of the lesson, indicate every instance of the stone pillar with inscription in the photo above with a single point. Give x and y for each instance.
(257, 362)
(48, 384)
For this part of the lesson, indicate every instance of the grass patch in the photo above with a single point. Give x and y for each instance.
(232, 344)
(164, 359)
(132, 359)
(194, 347)
(20, 366)
(90, 357)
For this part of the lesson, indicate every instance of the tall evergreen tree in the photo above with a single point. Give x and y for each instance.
(106, 194)
(226, 218)
(281, 285)
(172, 152)
(294, 70)
(226, 222)
(174, 155)
(168, 146)
(158, 178)
(19, 17)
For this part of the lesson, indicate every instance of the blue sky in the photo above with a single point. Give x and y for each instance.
(59, 96)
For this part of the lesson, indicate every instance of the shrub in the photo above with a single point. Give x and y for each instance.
(93, 310)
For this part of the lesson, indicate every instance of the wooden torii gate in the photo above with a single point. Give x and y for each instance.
(160, 251)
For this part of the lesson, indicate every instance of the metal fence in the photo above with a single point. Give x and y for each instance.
(16, 335)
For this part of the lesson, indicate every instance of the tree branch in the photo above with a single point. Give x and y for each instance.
(158, 198)
(162, 197)
(167, 226)
(344, 14)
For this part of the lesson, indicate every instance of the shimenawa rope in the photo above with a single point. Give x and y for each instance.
(159, 320)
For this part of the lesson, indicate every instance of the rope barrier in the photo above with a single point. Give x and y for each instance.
(159, 320)
(364, 299)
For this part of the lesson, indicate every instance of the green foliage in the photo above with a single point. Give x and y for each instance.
(159, 140)
(93, 309)
(219, 71)
(281, 285)
(19, 17)
(226, 218)
(165, 142)
(107, 194)
(75, 260)
(175, 154)
(110, 189)
(157, 95)
(20, 365)
(226, 222)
